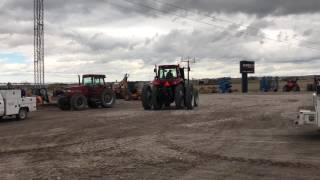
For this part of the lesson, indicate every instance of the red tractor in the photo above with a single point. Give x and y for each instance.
(170, 86)
(92, 92)
(292, 85)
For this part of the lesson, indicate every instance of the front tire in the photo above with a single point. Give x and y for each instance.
(23, 114)
(64, 104)
(108, 98)
(78, 102)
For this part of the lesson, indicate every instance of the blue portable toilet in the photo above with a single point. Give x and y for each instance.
(269, 84)
(225, 85)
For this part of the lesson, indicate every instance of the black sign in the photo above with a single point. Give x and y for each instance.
(246, 66)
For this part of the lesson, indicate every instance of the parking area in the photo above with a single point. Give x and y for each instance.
(227, 137)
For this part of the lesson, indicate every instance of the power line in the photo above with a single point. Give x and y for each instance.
(167, 12)
(228, 21)
(222, 27)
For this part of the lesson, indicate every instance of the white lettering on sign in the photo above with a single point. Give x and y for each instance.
(248, 65)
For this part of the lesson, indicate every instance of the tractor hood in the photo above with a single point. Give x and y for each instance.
(74, 89)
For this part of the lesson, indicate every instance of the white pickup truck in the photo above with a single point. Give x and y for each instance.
(12, 104)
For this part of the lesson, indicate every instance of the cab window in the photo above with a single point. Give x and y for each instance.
(87, 81)
(98, 81)
(168, 73)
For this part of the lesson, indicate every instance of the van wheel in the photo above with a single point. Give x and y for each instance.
(23, 114)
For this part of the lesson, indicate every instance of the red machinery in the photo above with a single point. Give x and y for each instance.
(92, 92)
(292, 85)
(168, 86)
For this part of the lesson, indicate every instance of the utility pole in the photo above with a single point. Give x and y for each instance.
(38, 44)
(188, 68)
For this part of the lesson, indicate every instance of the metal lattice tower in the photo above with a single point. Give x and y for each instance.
(38, 43)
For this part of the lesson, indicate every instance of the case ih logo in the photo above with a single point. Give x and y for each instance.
(246, 67)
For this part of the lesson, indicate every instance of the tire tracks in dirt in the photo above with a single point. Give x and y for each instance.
(206, 157)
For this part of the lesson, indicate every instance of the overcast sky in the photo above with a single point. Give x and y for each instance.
(115, 37)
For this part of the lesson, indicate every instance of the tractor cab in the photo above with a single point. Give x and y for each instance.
(93, 80)
(168, 75)
(169, 72)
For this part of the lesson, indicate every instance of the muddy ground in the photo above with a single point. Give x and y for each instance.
(227, 137)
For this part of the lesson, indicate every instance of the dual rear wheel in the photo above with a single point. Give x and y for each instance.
(183, 97)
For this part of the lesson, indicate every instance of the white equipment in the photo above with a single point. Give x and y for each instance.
(308, 116)
(12, 104)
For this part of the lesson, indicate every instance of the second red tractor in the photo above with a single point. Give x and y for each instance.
(92, 92)
(170, 86)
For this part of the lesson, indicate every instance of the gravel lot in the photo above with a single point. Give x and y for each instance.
(227, 137)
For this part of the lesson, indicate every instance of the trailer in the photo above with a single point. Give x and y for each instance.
(12, 103)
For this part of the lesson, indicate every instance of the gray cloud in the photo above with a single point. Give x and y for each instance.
(254, 7)
(78, 33)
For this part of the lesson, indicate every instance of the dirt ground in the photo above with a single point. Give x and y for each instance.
(227, 137)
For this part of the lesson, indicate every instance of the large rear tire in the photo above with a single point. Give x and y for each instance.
(179, 96)
(146, 97)
(78, 102)
(155, 98)
(108, 98)
(189, 97)
(64, 104)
